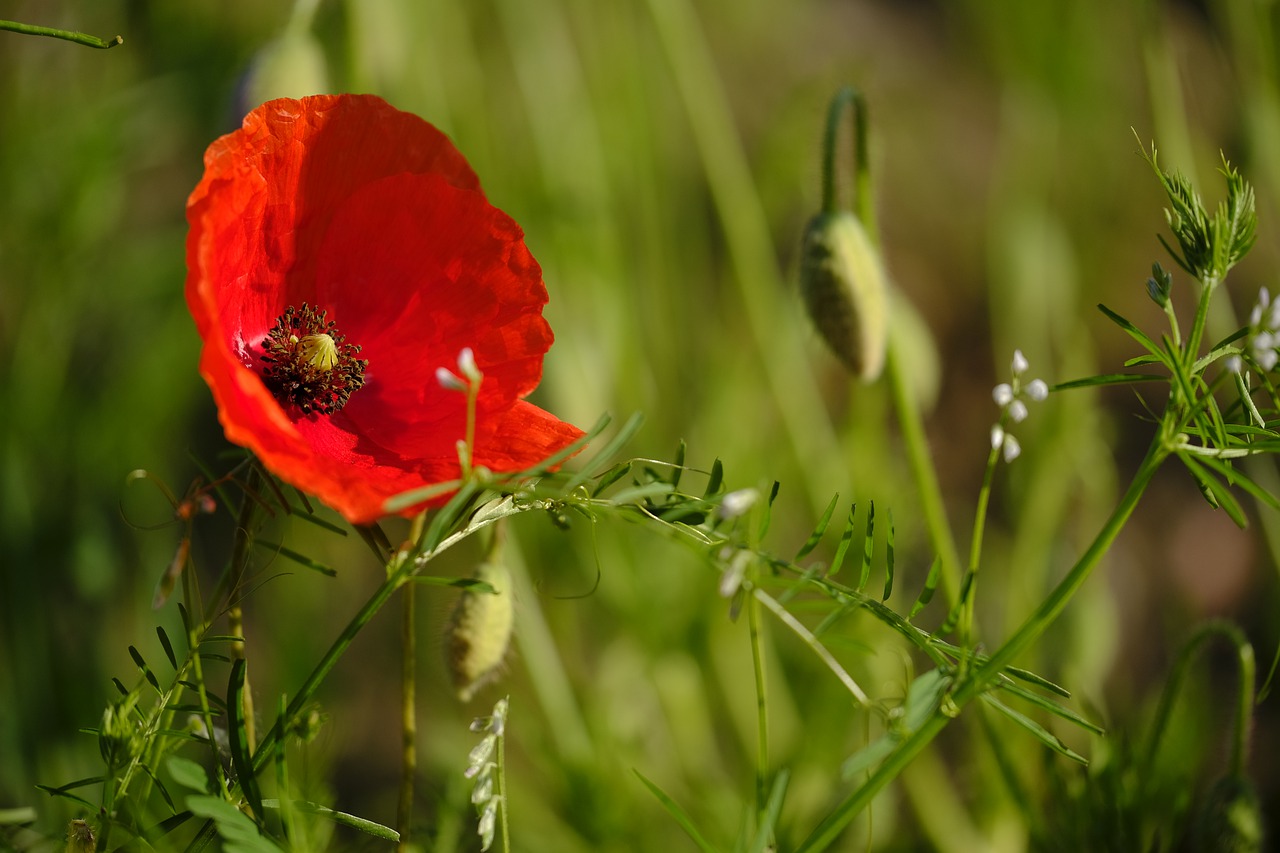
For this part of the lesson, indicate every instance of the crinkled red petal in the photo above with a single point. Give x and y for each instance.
(371, 214)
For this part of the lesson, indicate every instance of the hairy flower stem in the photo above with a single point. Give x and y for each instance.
(848, 96)
(984, 675)
(926, 476)
(241, 546)
(408, 699)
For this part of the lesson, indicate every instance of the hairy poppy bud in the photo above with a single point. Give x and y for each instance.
(1229, 820)
(843, 286)
(80, 837)
(480, 629)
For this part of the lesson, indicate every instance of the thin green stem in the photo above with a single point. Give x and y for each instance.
(66, 35)
(1197, 327)
(501, 775)
(762, 707)
(975, 552)
(923, 472)
(853, 98)
(408, 699)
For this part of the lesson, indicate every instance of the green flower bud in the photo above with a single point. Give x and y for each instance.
(845, 291)
(1229, 819)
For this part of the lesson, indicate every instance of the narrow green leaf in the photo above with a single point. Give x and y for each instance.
(1107, 379)
(238, 739)
(311, 518)
(715, 482)
(773, 807)
(846, 538)
(1134, 332)
(818, 532)
(888, 557)
(146, 670)
(300, 559)
(1215, 492)
(1047, 704)
(67, 795)
(377, 830)
(233, 825)
(160, 786)
(1038, 731)
(930, 586)
(458, 583)
(167, 646)
(767, 514)
(677, 468)
(608, 478)
(1237, 477)
(609, 450)
(868, 548)
(680, 815)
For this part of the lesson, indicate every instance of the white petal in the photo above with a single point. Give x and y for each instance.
(1018, 411)
(997, 436)
(448, 381)
(1011, 448)
(1019, 362)
(1235, 364)
(1037, 390)
(1002, 394)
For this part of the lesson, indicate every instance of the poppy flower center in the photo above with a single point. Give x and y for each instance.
(308, 364)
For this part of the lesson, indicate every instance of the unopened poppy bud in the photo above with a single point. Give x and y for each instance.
(842, 282)
(480, 629)
(1229, 819)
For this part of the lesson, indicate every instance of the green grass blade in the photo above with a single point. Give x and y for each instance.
(1038, 731)
(818, 532)
(680, 815)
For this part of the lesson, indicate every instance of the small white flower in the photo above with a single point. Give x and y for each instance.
(1235, 364)
(737, 503)
(1012, 398)
(467, 365)
(448, 381)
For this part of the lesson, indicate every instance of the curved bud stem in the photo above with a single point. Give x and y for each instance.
(861, 163)
(66, 35)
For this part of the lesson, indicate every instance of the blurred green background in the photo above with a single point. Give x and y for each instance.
(662, 158)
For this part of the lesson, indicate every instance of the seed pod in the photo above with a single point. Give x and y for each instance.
(844, 288)
(1229, 819)
(480, 629)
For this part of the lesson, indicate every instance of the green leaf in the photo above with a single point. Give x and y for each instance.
(188, 773)
(239, 833)
(1134, 332)
(12, 817)
(1107, 379)
(300, 559)
(238, 739)
(1052, 707)
(930, 586)
(680, 815)
(818, 532)
(677, 468)
(868, 548)
(610, 449)
(715, 482)
(773, 807)
(1236, 477)
(146, 670)
(846, 538)
(167, 646)
(1041, 734)
(377, 830)
(888, 556)
(608, 478)
(1218, 495)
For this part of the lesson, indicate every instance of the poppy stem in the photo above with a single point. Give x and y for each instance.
(241, 547)
(854, 99)
(408, 701)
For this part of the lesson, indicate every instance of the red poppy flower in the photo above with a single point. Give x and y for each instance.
(340, 252)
